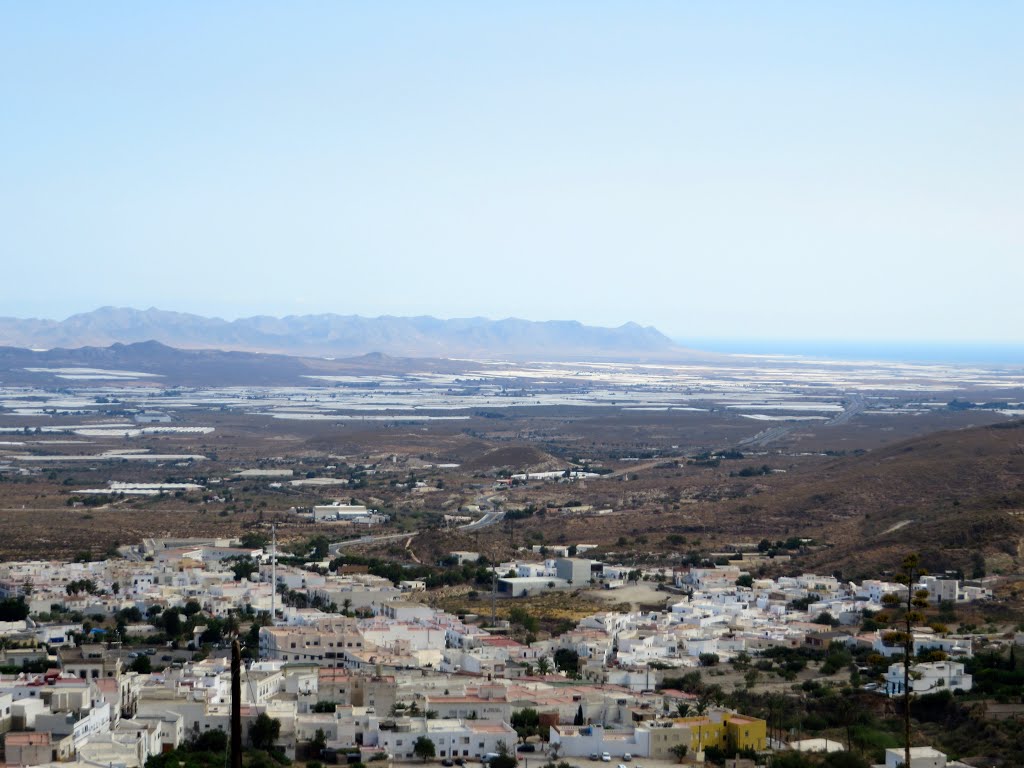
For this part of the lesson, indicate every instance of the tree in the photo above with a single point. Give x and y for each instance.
(141, 664)
(679, 750)
(192, 607)
(264, 731)
(526, 722)
(13, 609)
(253, 540)
(911, 603)
(319, 547)
(243, 567)
(506, 757)
(791, 760)
(171, 621)
(567, 660)
(708, 659)
(844, 760)
(424, 748)
(521, 616)
(826, 618)
(319, 742)
(214, 740)
(543, 665)
(578, 720)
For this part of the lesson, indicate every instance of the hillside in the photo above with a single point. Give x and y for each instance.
(948, 495)
(346, 335)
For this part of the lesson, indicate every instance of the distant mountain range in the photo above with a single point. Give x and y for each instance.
(331, 335)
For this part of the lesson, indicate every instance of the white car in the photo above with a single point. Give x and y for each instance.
(606, 757)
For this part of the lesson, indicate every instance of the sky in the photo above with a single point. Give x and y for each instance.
(819, 171)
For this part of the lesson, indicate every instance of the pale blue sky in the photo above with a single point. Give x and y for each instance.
(718, 169)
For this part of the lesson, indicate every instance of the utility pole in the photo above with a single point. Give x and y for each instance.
(236, 704)
(273, 575)
(494, 593)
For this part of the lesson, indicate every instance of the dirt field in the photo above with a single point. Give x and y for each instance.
(641, 595)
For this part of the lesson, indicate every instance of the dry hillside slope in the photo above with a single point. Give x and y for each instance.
(948, 496)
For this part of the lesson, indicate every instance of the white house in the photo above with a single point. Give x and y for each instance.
(920, 757)
(452, 738)
(930, 677)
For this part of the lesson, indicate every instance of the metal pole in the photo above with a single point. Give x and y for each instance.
(494, 592)
(273, 576)
(236, 704)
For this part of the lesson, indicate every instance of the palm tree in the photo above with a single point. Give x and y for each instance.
(543, 665)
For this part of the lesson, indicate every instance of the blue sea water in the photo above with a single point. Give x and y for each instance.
(902, 351)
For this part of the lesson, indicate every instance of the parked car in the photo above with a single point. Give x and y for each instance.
(606, 757)
(627, 757)
(459, 761)
(594, 756)
(526, 748)
(448, 763)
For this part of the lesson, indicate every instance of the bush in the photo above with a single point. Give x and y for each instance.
(210, 741)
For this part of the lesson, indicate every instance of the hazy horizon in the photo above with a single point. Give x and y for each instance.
(792, 170)
(887, 350)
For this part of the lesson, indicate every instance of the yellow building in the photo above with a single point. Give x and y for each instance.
(743, 732)
(726, 731)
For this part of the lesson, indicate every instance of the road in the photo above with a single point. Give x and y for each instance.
(489, 519)
(854, 405)
(642, 465)
(338, 545)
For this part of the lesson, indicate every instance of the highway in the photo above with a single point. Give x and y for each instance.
(338, 545)
(854, 405)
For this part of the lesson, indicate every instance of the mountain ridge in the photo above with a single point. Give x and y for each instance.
(330, 334)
